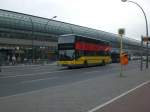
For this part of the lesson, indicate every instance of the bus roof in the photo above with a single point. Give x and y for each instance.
(85, 37)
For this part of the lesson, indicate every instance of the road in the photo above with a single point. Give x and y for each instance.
(23, 79)
(51, 88)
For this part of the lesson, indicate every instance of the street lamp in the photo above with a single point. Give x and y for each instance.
(71, 28)
(45, 28)
(32, 38)
(32, 28)
(54, 17)
(48, 22)
(146, 27)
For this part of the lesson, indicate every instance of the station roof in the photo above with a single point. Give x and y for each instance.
(25, 22)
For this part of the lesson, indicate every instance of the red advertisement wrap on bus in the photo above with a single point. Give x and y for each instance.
(91, 47)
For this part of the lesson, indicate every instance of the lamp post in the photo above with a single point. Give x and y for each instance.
(32, 28)
(146, 27)
(45, 28)
(71, 28)
(48, 22)
(32, 38)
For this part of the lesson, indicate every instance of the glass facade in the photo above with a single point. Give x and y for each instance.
(33, 24)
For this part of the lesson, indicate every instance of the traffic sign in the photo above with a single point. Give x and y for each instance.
(121, 31)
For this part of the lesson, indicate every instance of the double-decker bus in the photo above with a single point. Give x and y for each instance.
(76, 50)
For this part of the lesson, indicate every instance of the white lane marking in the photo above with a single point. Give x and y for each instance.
(100, 70)
(40, 73)
(29, 68)
(35, 74)
(22, 69)
(118, 97)
(35, 69)
(36, 80)
(91, 72)
(18, 66)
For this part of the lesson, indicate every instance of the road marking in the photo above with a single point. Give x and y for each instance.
(34, 74)
(18, 66)
(92, 72)
(118, 97)
(35, 69)
(40, 73)
(45, 73)
(36, 80)
(28, 68)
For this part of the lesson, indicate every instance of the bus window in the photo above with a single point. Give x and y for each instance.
(66, 54)
(102, 53)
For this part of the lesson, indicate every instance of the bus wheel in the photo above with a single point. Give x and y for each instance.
(70, 67)
(103, 62)
(85, 64)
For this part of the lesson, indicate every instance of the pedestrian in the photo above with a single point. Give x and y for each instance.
(8, 59)
(13, 59)
(0, 62)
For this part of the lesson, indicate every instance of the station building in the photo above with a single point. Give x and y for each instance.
(26, 37)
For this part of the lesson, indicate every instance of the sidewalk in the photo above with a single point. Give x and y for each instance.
(135, 100)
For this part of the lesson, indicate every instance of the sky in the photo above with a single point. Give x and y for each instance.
(105, 15)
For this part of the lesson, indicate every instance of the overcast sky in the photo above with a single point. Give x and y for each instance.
(106, 15)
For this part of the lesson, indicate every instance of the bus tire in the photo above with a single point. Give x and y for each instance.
(103, 62)
(70, 67)
(85, 64)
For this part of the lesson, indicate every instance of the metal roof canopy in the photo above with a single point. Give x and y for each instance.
(20, 21)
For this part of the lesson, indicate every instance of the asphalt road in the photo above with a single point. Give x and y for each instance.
(50, 88)
(15, 80)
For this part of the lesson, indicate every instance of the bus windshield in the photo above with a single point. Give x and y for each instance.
(66, 55)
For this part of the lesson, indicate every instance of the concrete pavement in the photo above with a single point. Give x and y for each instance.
(134, 101)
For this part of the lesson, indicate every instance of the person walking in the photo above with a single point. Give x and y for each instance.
(13, 59)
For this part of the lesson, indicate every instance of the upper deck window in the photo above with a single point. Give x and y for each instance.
(66, 39)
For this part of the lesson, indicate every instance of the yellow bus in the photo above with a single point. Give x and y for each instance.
(76, 50)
